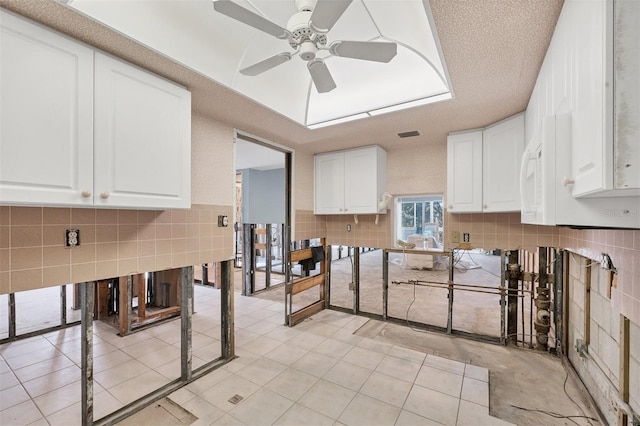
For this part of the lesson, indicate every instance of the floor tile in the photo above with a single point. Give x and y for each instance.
(9, 351)
(349, 375)
(433, 405)
(346, 336)
(262, 408)
(315, 364)
(52, 381)
(121, 373)
(58, 399)
(134, 388)
(407, 418)
(363, 357)
(262, 371)
(471, 414)
(109, 360)
(228, 420)
(308, 340)
(44, 352)
(386, 388)
(262, 345)
(12, 396)
(333, 348)
(363, 410)
(475, 391)
(181, 396)
(327, 398)
(203, 410)
(292, 383)
(205, 383)
(283, 333)
(407, 354)
(220, 394)
(287, 354)
(440, 380)
(445, 364)
(399, 368)
(375, 345)
(20, 414)
(475, 372)
(300, 415)
(8, 380)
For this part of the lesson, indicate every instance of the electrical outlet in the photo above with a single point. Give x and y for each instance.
(466, 237)
(348, 227)
(455, 236)
(72, 237)
(223, 221)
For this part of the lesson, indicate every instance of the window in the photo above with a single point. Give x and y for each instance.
(419, 216)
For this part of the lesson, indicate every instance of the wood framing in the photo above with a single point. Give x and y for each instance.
(295, 287)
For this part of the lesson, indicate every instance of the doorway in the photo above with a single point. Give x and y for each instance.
(263, 213)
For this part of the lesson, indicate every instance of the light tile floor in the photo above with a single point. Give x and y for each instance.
(316, 373)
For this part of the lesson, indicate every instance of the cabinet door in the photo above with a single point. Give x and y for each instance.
(464, 172)
(361, 181)
(502, 147)
(329, 183)
(142, 138)
(46, 118)
(592, 144)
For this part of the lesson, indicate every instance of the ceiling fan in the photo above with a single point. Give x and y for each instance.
(307, 34)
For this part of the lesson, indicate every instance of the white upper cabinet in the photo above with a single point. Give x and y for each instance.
(483, 168)
(142, 138)
(464, 172)
(595, 77)
(46, 116)
(351, 181)
(502, 147)
(79, 128)
(329, 183)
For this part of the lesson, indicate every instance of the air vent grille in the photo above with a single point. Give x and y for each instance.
(409, 134)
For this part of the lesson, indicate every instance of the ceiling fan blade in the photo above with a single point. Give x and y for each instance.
(367, 50)
(239, 13)
(321, 76)
(267, 64)
(326, 13)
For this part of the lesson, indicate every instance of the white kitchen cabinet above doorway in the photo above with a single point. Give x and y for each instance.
(79, 128)
(483, 168)
(351, 181)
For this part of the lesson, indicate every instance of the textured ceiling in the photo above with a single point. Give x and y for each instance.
(493, 50)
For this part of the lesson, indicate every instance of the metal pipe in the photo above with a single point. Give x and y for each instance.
(356, 280)
(12, 315)
(385, 284)
(327, 277)
(267, 256)
(513, 272)
(450, 295)
(503, 300)
(186, 314)
(86, 351)
(227, 338)
(248, 259)
(63, 305)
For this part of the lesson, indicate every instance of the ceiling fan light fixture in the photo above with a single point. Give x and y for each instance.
(308, 51)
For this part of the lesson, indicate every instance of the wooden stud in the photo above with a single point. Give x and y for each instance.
(186, 313)
(86, 351)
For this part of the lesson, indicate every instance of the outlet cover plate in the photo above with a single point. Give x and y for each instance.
(72, 238)
(455, 236)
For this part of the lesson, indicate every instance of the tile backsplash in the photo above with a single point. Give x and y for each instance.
(112, 243)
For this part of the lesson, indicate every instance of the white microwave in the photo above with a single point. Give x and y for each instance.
(545, 191)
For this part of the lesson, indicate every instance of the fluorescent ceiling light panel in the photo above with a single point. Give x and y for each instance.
(193, 34)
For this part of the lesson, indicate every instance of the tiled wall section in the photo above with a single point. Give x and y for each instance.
(623, 246)
(499, 230)
(309, 226)
(366, 233)
(113, 243)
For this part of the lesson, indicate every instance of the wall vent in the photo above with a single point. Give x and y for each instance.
(409, 134)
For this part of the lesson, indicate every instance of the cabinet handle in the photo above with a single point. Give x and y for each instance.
(484, 206)
(450, 206)
(104, 195)
(86, 194)
(566, 181)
